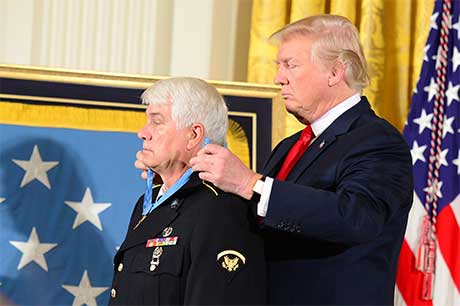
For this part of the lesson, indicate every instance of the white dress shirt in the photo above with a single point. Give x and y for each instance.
(318, 127)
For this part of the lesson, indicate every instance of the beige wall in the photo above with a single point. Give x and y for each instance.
(203, 38)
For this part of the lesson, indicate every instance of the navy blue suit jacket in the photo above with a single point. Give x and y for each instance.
(334, 228)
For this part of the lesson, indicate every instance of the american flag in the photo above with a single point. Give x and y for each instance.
(65, 200)
(429, 264)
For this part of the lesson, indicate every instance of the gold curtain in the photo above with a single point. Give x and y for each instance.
(392, 32)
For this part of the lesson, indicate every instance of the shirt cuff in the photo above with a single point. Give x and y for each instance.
(262, 206)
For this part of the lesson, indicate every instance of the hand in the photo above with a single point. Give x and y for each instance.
(139, 164)
(221, 167)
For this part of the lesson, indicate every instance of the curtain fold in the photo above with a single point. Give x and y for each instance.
(393, 34)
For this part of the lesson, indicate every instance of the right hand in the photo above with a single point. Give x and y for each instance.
(221, 167)
(140, 164)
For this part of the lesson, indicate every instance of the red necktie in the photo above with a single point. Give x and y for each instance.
(297, 150)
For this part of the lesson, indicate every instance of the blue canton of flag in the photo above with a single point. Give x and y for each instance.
(429, 267)
(65, 200)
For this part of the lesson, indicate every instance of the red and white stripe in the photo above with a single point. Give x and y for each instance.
(447, 274)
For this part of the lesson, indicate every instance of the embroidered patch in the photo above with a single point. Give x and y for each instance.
(231, 260)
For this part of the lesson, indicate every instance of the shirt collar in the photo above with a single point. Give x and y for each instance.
(329, 117)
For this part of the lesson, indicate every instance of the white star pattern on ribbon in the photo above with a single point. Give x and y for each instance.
(457, 162)
(447, 126)
(2, 200)
(452, 93)
(455, 59)
(424, 121)
(431, 190)
(35, 168)
(433, 24)
(33, 250)
(417, 152)
(87, 210)
(431, 89)
(442, 158)
(456, 26)
(84, 293)
(425, 52)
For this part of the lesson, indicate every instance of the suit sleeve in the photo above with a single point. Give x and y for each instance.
(227, 260)
(371, 183)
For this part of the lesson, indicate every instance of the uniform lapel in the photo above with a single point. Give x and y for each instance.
(151, 227)
(160, 218)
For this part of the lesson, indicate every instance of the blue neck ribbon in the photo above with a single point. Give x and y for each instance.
(149, 205)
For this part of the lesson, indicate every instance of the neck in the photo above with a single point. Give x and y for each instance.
(170, 177)
(332, 101)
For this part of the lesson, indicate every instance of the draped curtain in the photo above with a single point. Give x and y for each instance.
(392, 32)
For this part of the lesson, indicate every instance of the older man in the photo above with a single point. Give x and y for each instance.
(334, 198)
(190, 243)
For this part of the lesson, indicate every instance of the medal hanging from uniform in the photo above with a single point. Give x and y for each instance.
(159, 243)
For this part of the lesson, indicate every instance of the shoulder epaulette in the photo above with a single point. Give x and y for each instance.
(211, 188)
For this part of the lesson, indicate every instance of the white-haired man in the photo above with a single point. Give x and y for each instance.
(334, 198)
(188, 242)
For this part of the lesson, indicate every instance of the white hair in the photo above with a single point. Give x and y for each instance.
(192, 101)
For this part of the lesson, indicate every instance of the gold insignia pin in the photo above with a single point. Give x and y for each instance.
(167, 231)
(230, 260)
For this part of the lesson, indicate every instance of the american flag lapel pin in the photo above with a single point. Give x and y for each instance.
(321, 145)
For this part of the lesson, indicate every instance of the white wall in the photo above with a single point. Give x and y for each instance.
(204, 38)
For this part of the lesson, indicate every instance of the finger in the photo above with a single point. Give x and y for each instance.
(212, 149)
(144, 175)
(206, 176)
(202, 165)
(140, 165)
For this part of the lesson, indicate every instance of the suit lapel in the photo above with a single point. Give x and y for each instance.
(279, 154)
(313, 152)
(340, 126)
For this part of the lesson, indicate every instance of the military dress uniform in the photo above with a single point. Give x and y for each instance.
(198, 247)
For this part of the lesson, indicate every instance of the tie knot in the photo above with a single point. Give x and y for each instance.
(307, 135)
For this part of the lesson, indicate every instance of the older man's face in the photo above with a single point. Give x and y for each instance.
(164, 146)
(304, 83)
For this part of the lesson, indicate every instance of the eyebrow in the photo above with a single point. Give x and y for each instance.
(284, 60)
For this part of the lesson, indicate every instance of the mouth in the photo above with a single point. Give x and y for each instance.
(286, 95)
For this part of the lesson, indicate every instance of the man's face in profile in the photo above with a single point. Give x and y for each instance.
(163, 144)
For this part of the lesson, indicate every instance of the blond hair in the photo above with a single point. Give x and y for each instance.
(336, 39)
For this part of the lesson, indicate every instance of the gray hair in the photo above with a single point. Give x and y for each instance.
(192, 101)
(336, 39)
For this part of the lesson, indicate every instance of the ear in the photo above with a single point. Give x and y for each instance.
(196, 135)
(336, 74)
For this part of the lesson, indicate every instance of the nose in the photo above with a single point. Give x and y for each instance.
(280, 77)
(144, 133)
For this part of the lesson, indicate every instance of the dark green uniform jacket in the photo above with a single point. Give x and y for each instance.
(198, 247)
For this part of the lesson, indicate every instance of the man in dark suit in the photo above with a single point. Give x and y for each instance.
(334, 198)
(188, 242)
